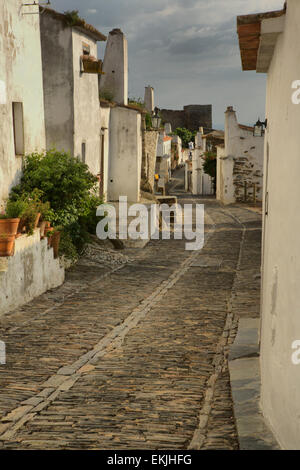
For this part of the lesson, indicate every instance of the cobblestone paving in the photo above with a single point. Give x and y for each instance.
(136, 359)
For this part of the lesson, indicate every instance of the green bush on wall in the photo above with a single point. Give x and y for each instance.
(70, 189)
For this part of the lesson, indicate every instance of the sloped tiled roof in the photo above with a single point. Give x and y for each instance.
(81, 26)
(249, 29)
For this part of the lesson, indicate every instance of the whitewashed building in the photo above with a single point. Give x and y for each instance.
(121, 125)
(71, 87)
(201, 183)
(269, 44)
(22, 126)
(164, 156)
(239, 163)
(32, 269)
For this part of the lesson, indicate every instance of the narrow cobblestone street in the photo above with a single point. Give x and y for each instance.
(135, 358)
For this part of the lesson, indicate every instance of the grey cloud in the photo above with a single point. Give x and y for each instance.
(187, 49)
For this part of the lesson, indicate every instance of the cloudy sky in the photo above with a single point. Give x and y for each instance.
(186, 49)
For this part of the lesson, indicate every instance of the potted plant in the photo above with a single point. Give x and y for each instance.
(91, 64)
(7, 243)
(31, 217)
(55, 240)
(32, 214)
(10, 219)
(44, 208)
(48, 234)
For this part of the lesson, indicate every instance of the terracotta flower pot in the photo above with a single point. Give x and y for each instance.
(7, 244)
(21, 227)
(37, 219)
(48, 230)
(55, 240)
(9, 226)
(92, 65)
(42, 229)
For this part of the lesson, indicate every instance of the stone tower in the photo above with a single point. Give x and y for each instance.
(149, 99)
(114, 82)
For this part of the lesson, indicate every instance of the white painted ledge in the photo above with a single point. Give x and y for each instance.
(29, 273)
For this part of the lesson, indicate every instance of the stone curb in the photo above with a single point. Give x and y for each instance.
(244, 369)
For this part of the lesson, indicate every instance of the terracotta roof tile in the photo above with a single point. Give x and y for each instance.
(246, 128)
(248, 29)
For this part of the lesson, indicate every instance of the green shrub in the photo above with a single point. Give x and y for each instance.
(148, 121)
(186, 136)
(62, 180)
(90, 220)
(106, 95)
(67, 247)
(15, 209)
(73, 19)
(210, 166)
(63, 190)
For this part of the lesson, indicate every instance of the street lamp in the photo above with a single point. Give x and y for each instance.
(156, 120)
(259, 128)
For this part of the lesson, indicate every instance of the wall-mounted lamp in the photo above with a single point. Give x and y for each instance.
(156, 120)
(259, 128)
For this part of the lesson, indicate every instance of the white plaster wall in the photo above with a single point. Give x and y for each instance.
(167, 148)
(168, 128)
(201, 182)
(220, 178)
(58, 83)
(281, 256)
(86, 105)
(125, 156)
(197, 173)
(21, 75)
(30, 272)
(105, 123)
(225, 187)
(240, 145)
(177, 140)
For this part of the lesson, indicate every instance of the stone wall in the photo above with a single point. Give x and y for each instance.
(247, 172)
(191, 117)
(151, 139)
(30, 272)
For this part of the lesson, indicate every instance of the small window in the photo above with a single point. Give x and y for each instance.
(83, 152)
(18, 123)
(86, 49)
